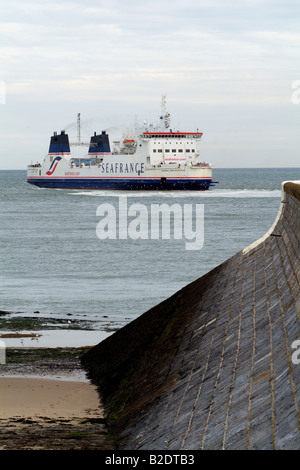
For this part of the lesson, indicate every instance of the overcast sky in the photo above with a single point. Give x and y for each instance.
(228, 68)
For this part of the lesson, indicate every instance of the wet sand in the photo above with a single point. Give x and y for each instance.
(47, 403)
(33, 397)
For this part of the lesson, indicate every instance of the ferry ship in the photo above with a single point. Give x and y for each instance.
(154, 158)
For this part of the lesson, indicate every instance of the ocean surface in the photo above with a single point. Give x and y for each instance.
(62, 285)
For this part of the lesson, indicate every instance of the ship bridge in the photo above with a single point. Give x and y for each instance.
(172, 147)
(180, 135)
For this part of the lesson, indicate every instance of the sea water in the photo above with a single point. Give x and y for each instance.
(60, 280)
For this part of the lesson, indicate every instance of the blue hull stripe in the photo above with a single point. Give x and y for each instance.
(111, 183)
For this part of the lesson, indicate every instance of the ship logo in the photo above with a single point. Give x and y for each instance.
(54, 165)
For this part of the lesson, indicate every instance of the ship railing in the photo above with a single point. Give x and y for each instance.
(84, 162)
(79, 144)
(35, 165)
(201, 164)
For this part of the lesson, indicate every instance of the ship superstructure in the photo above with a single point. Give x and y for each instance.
(148, 158)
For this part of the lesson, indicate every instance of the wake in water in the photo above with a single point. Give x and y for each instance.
(228, 193)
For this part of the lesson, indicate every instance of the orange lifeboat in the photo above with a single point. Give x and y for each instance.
(129, 142)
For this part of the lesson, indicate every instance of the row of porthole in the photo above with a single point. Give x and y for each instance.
(171, 143)
(173, 150)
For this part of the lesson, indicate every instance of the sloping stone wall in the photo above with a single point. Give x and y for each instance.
(212, 367)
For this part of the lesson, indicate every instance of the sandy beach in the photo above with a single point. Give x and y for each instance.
(25, 397)
(47, 403)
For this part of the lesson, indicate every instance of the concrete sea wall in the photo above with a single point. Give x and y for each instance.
(213, 366)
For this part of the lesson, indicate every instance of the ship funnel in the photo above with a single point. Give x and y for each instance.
(59, 143)
(99, 144)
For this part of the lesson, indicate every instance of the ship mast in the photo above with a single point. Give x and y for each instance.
(78, 128)
(165, 116)
(78, 141)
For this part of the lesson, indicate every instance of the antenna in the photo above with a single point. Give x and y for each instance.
(164, 114)
(72, 126)
(78, 128)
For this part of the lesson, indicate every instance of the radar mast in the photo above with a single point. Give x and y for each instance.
(165, 116)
